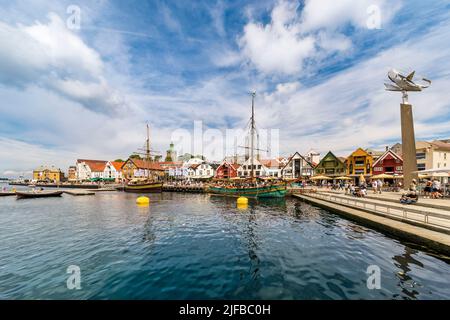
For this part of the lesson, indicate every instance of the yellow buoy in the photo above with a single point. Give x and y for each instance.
(143, 201)
(242, 206)
(242, 201)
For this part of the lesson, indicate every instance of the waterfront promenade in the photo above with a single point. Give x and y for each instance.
(426, 223)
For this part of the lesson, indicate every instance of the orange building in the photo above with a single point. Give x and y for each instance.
(359, 163)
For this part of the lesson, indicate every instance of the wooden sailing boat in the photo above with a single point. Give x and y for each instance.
(149, 183)
(272, 190)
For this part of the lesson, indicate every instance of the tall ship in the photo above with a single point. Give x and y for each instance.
(252, 187)
(149, 183)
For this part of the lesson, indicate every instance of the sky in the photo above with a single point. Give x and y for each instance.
(80, 79)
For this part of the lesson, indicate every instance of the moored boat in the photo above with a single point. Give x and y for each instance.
(5, 194)
(148, 183)
(143, 187)
(271, 191)
(37, 194)
(251, 188)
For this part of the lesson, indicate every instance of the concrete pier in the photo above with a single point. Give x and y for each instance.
(435, 236)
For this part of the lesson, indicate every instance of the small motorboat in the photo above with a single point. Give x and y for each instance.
(38, 194)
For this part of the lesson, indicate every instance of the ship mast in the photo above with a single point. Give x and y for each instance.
(252, 133)
(147, 152)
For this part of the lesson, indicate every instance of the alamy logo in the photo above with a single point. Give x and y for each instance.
(74, 20)
(374, 20)
(74, 280)
(374, 277)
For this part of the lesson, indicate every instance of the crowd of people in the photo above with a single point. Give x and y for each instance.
(433, 189)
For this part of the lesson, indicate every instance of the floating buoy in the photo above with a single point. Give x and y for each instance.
(143, 201)
(242, 203)
(242, 206)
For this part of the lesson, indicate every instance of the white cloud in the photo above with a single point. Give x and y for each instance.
(352, 109)
(56, 58)
(291, 39)
(333, 14)
(278, 46)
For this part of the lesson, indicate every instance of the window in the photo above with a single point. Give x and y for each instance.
(420, 156)
(445, 155)
(421, 166)
(359, 162)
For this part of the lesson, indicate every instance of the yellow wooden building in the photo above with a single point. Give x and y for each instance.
(359, 163)
(137, 168)
(49, 174)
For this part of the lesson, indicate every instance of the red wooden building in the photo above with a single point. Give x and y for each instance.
(388, 163)
(227, 170)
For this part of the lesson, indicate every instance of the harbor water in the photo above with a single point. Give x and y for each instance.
(196, 246)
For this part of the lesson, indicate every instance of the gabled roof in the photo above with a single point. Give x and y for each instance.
(270, 163)
(359, 150)
(117, 165)
(392, 153)
(46, 168)
(235, 166)
(142, 164)
(441, 145)
(374, 153)
(331, 154)
(312, 164)
(170, 163)
(94, 165)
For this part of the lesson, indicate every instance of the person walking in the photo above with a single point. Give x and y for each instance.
(374, 186)
(379, 185)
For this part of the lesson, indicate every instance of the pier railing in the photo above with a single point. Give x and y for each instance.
(395, 211)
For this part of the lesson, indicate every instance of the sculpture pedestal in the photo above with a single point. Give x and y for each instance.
(408, 145)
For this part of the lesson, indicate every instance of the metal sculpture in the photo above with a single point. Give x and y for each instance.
(405, 84)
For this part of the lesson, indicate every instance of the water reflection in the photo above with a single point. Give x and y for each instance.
(406, 282)
(252, 243)
(187, 246)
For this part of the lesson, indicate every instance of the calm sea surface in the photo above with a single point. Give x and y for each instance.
(187, 246)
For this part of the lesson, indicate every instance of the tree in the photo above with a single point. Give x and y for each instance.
(119, 160)
(135, 156)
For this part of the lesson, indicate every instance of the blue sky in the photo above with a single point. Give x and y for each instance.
(317, 67)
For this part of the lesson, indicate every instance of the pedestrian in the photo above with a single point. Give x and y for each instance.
(374, 186)
(436, 189)
(379, 185)
(428, 189)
